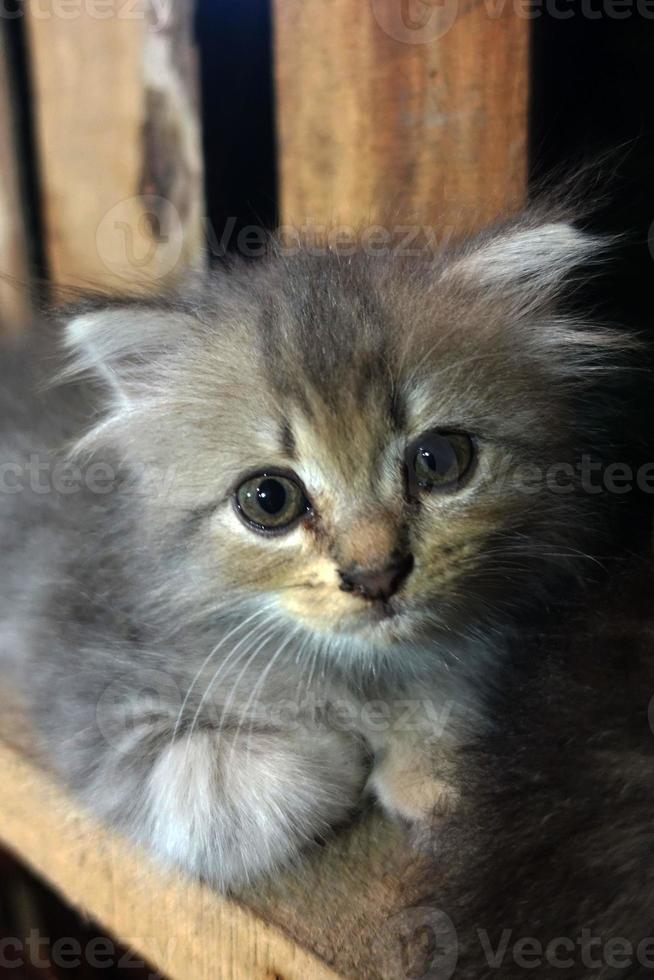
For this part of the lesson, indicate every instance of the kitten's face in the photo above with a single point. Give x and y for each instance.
(370, 497)
(349, 440)
(357, 519)
(364, 514)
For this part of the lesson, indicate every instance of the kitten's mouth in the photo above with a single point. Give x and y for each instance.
(383, 620)
(388, 620)
(381, 610)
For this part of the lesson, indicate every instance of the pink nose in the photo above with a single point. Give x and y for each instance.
(377, 584)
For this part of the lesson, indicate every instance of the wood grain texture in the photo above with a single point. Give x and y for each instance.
(14, 259)
(341, 914)
(118, 141)
(401, 111)
(184, 930)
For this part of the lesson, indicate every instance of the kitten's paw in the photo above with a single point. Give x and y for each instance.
(409, 792)
(230, 811)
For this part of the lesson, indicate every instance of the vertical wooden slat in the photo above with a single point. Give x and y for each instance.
(14, 261)
(401, 110)
(119, 142)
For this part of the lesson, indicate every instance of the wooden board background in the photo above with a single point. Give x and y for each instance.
(14, 260)
(401, 111)
(118, 142)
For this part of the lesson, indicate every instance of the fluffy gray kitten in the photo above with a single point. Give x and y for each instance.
(262, 544)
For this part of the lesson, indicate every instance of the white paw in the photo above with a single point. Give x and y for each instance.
(410, 794)
(229, 812)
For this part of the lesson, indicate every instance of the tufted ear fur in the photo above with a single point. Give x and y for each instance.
(131, 349)
(524, 269)
(528, 258)
(117, 343)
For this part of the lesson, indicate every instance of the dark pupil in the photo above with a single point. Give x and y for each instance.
(428, 459)
(440, 463)
(271, 496)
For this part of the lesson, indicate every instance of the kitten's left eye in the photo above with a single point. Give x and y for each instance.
(271, 502)
(438, 461)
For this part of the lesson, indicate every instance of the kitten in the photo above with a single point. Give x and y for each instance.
(265, 545)
(546, 867)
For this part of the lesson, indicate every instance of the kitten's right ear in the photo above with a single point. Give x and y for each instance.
(529, 258)
(115, 344)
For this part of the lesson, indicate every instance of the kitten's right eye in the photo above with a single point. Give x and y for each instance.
(271, 502)
(439, 461)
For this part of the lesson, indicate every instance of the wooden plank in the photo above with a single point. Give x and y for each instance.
(14, 259)
(401, 111)
(343, 913)
(119, 142)
(184, 930)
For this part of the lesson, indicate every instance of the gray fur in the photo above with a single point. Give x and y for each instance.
(157, 639)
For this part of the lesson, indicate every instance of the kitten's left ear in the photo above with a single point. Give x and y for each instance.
(530, 258)
(129, 349)
(118, 342)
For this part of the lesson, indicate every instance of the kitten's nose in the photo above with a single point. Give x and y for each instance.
(379, 584)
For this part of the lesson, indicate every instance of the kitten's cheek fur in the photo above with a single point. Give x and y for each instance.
(230, 809)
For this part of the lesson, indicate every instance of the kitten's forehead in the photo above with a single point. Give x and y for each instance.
(357, 349)
(347, 456)
(325, 340)
(326, 336)
(356, 353)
